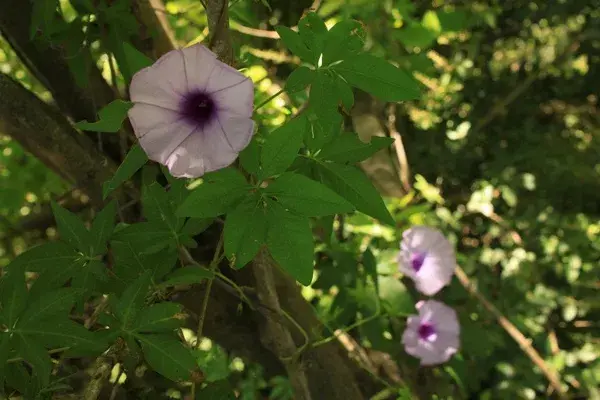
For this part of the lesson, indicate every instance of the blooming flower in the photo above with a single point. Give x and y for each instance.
(192, 112)
(433, 335)
(427, 257)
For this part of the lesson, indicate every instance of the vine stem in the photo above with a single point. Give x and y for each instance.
(268, 100)
(212, 267)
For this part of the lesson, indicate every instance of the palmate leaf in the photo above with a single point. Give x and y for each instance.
(168, 356)
(49, 304)
(134, 160)
(187, 276)
(378, 77)
(348, 148)
(353, 185)
(245, 231)
(37, 356)
(282, 145)
(161, 317)
(13, 295)
(218, 194)
(103, 227)
(132, 301)
(290, 242)
(158, 207)
(130, 262)
(146, 237)
(53, 333)
(51, 255)
(307, 197)
(110, 118)
(72, 230)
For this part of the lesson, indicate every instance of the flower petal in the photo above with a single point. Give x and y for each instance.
(199, 63)
(224, 77)
(237, 130)
(434, 275)
(447, 339)
(160, 131)
(238, 99)
(161, 84)
(208, 150)
(441, 315)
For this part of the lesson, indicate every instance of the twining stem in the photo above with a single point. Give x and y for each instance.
(213, 266)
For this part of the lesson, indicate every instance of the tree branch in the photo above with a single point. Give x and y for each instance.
(46, 134)
(514, 332)
(49, 65)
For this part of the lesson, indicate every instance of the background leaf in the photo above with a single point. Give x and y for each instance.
(110, 118)
(168, 356)
(135, 159)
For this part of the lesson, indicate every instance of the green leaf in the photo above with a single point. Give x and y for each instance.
(158, 207)
(72, 230)
(46, 256)
(4, 354)
(353, 185)
(312, 30)
(161, 317)
(344, 93)
(13, 295)
(378, 77)
(290, 242)
(195, 226)
(146, 237)
(132, 301)
(415, 35)
(110, 118)
(89, 276)
(250, 157)
(187, 276)
(56, 276)
(245, 231)
(218, 194)
(295, 44)
(370, 264)
(103, 227)
(220, 390)
(344, 40)
(299, 79)
(307, 197)
(49, 304)
(58, 333)
(395, 298)
(168, 356)
(37, 356)
(282, 145)
(131, 262)
(325, 120)
(348, 148)
(135, 159)
(135, 59)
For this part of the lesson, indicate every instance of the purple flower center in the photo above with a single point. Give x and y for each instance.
(198, 108)
(417, 260)
(427, 332)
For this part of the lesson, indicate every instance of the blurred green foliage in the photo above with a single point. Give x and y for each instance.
(504, 144)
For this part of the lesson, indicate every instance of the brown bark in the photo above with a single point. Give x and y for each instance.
(49, 65)
(46, 134)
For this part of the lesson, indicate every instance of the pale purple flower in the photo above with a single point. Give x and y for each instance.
(192, 112)
(427, 257)
(433, 335)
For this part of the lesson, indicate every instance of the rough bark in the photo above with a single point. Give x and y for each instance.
(46, 134)
(49, 65)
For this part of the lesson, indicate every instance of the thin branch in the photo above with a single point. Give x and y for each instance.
(399, 146)
(524, 343)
